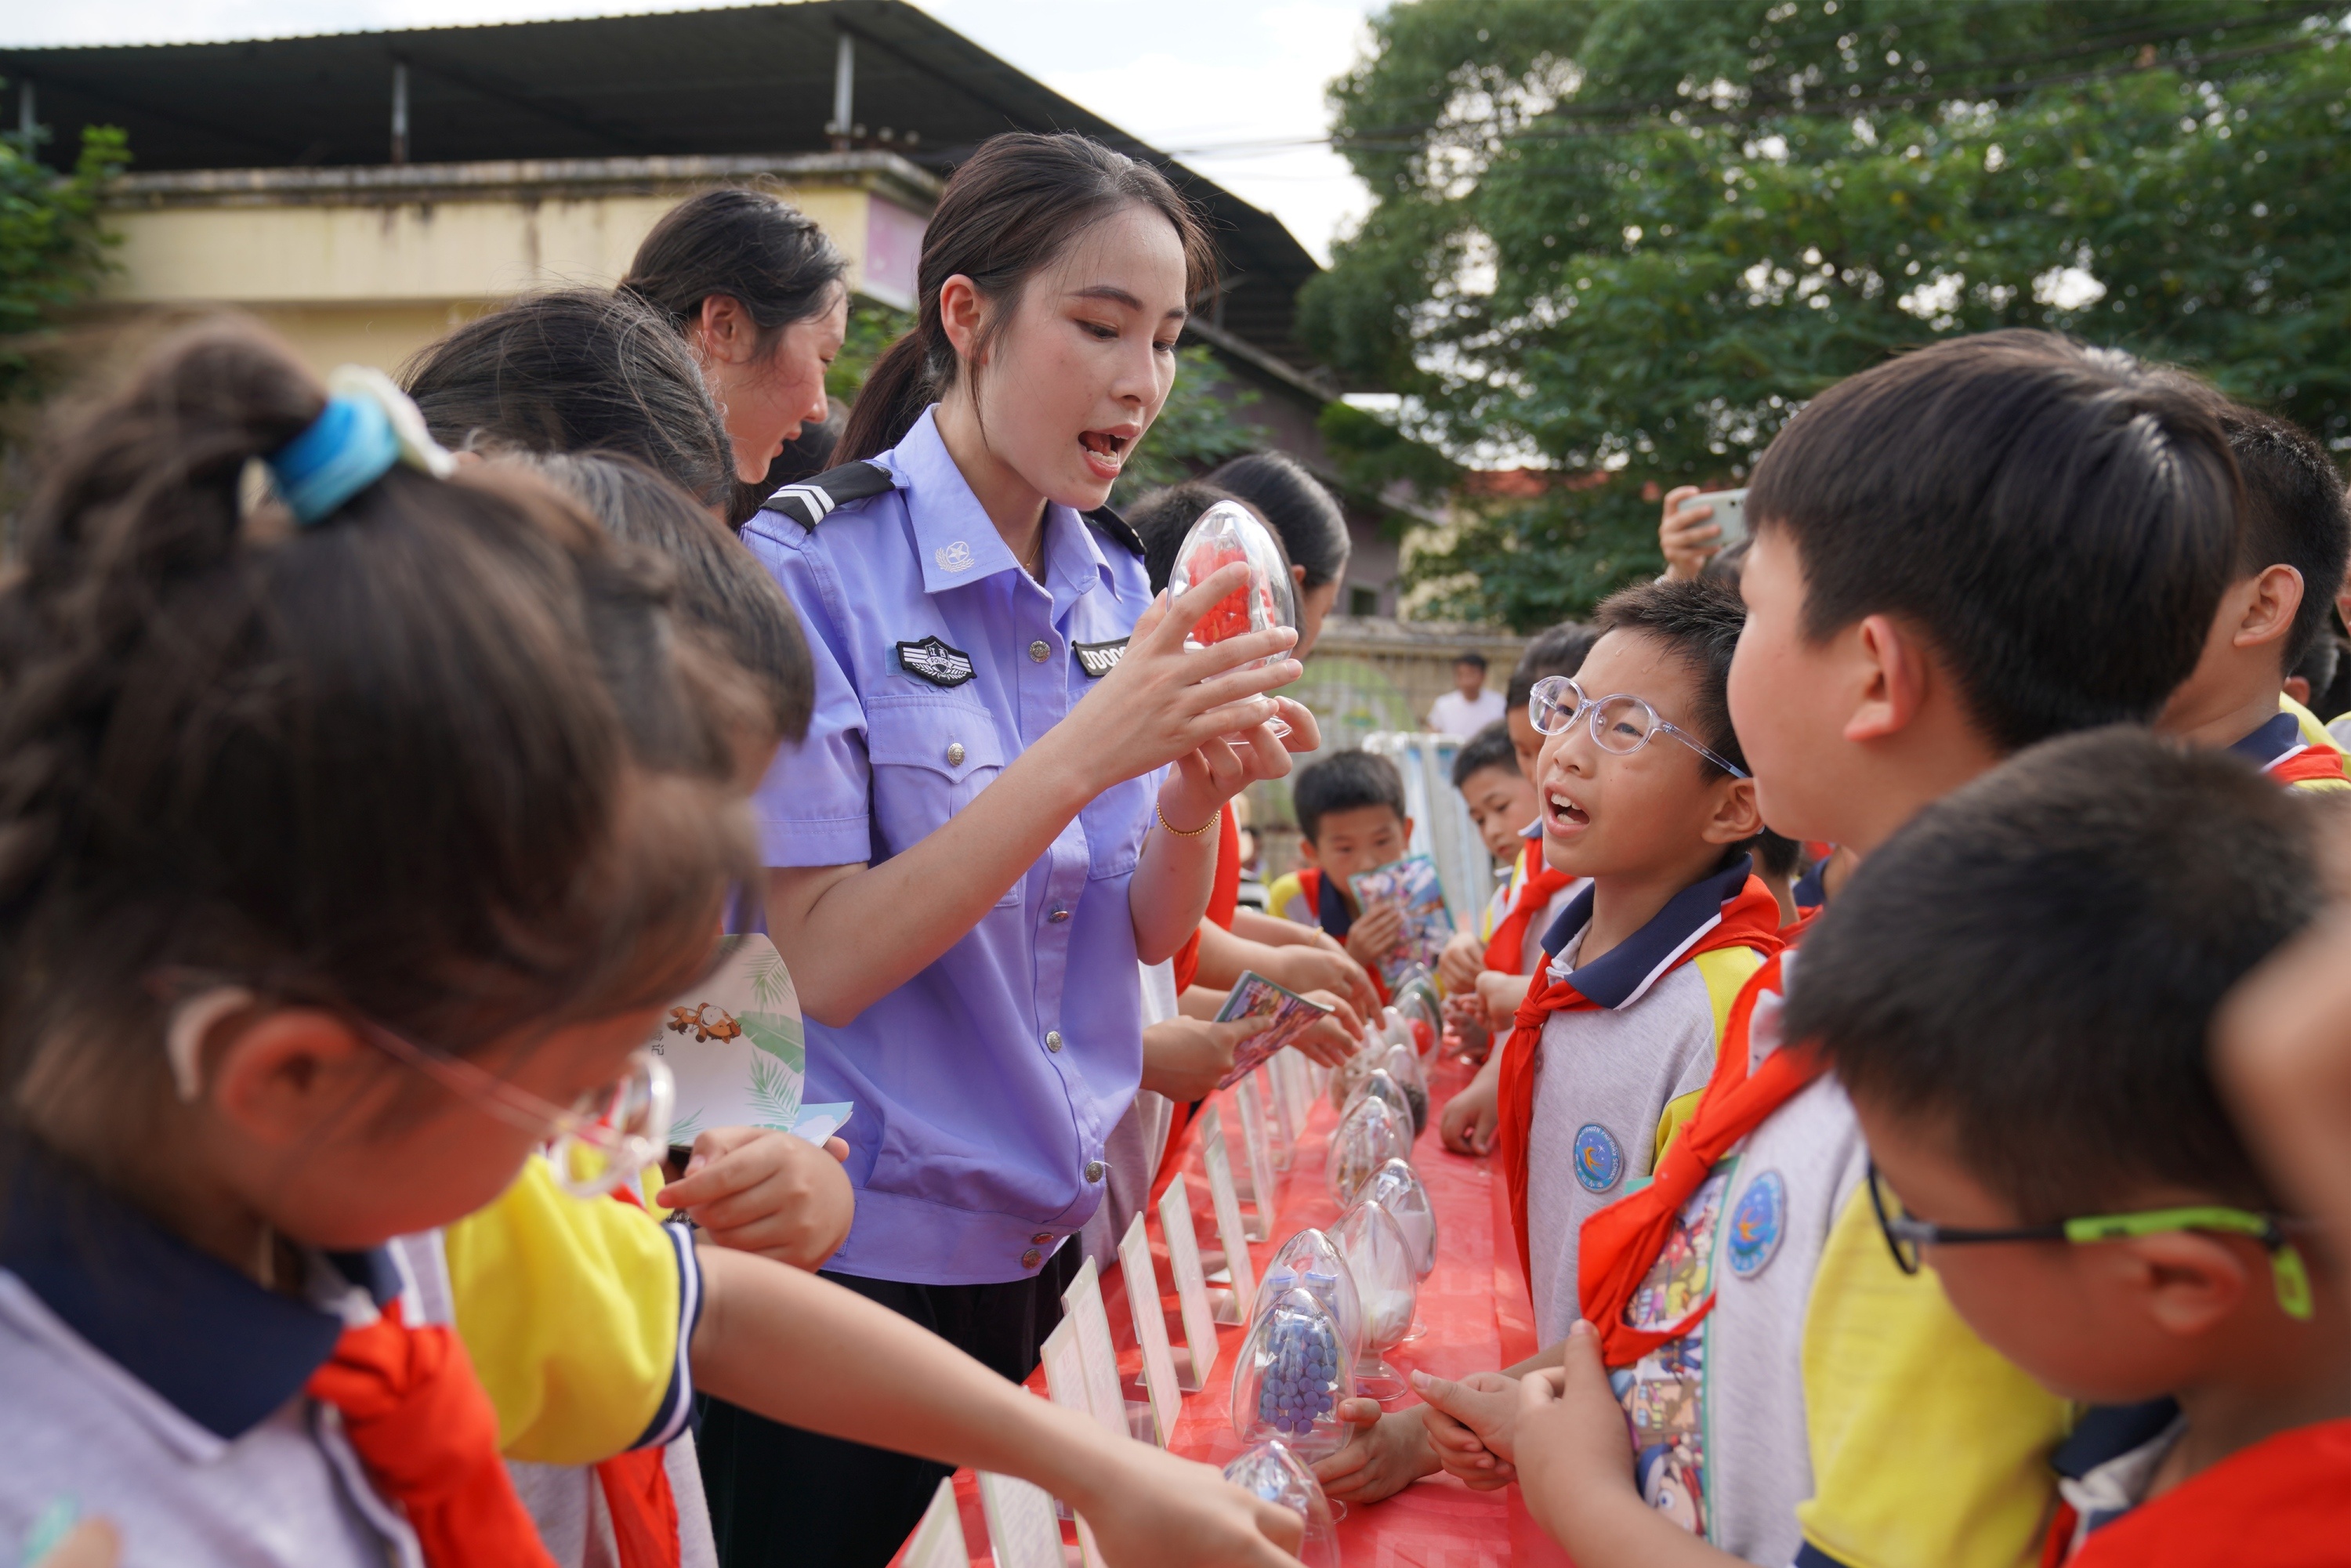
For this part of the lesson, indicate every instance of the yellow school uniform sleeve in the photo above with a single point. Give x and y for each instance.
(579, 1314)
(1928, 1450)
(1725, 972)
(2314, 732)
(1287, 899)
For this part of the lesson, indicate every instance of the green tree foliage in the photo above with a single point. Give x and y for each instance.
(52, 249)
(1632, 237)
(873, 327)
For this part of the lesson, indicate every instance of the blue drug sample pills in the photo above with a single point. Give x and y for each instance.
(1298, 1383)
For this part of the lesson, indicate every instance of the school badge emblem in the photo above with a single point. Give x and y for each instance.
(1599, 1162)
(1098, 659)
(957, 557)
(934, 662)
(1757, 1225)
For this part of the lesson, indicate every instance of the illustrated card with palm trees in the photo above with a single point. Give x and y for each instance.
(736, 1049)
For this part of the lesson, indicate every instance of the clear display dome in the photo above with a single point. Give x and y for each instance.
(1397, 1187)
(1273, 1472)
(1380, 1084)
(1368, 1136)
(1224, 534)
(1295, 1368)
(1403, 1066)
(1380, 1260)
(1312, 1260)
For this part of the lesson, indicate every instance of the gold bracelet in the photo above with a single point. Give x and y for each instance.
(1214, 818)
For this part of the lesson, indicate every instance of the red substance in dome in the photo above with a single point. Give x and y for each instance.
(1230, 618)
(1424, 1039)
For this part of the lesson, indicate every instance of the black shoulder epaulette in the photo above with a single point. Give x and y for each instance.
(1119, 529)
(809, 502)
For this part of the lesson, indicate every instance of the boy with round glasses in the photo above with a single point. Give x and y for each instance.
(1640, 788)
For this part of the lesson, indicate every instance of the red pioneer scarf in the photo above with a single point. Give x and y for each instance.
(1506, 950)
(1620, 1244)
(2311, 765)
(1750, 918)
(420, 1424)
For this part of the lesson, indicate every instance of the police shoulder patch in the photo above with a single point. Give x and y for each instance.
(809, 502)
(931, 660)
(1098, 659)
(1117, 529)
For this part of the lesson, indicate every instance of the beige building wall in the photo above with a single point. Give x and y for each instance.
(366, 266)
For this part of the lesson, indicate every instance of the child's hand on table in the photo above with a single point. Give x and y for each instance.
(1184, 1057)
(1375, 935)
(1157, 1511)
(1311, 967)
(758, 1190)
(1466, 1126)
(1385, 1453)
(1471, 1425)
(1459, 964)
(1333, 1039)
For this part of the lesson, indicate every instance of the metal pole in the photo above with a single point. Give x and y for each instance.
(844, 90)
(400, 112)
(28, 119)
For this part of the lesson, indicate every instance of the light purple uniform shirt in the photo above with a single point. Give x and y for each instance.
(986, 1086)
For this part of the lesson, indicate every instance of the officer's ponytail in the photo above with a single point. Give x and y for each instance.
(1009, 212)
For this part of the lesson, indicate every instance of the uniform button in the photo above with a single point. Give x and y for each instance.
(1094, 1170)
(1041, 1237)
(1030, 1259)
(954, 753)
(1039, 652)
(1059, 914)
(1053, 1040)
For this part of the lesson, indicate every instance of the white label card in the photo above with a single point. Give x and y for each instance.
(1065, 1381)
(1097, 1351)
(1287, 1122)
(1260, 1163)
(1020, 1523)
(938, 1539)
(1229, 1219)
(1191, 1280)
(1300, 1073)
(1151, 1331)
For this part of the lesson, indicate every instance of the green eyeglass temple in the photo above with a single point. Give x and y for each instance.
(2287, 1272)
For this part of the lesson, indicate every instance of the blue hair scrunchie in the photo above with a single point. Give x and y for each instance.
(350, 446)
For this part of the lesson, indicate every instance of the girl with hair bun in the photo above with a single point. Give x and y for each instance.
(1009, 791)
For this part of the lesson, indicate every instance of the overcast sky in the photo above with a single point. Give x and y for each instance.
(1238, 75)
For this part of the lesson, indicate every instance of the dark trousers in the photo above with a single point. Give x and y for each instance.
(781, 1496)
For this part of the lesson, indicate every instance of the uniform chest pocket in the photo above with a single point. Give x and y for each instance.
(1115, 821)
(931, 757)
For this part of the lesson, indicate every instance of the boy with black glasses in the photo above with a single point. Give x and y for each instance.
(2023, 1037)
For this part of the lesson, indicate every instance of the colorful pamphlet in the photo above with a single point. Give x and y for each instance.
(1414, 885)
(735, 1047)
(1255, 997)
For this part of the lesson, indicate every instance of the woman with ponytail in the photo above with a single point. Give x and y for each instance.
(1009, 791)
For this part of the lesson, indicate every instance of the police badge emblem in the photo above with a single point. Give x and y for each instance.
(934, 661)
(1098, 659)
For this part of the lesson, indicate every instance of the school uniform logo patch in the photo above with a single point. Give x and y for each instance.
(1757, 1225)
(934, 662)
(1599, 1162)
(1098, 659)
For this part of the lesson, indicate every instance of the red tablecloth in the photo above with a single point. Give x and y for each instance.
(1474, 1307)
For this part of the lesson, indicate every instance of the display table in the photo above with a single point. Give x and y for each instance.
(1474, 1307)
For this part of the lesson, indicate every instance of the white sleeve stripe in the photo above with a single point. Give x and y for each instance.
(677, 1403)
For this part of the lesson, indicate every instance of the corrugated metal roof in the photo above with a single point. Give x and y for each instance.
(750, 80)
